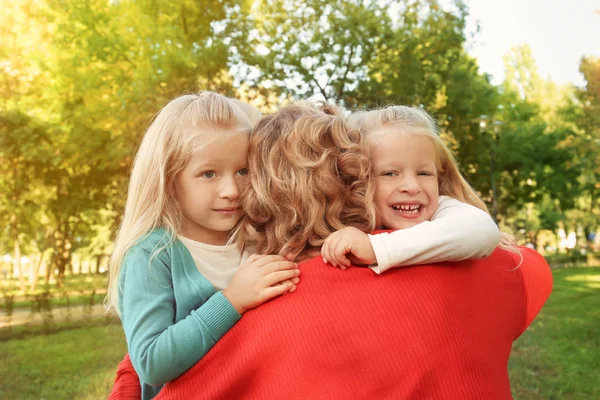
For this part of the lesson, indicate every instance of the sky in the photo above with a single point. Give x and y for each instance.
(559, 33)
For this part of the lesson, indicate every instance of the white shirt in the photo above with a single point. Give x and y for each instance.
(457, 231)
(218, 264)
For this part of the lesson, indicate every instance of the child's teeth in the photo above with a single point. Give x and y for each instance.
(407, 209)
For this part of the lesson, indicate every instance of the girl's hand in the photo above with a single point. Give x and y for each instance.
(288, 257)
(260, 279)
(346, 246)
(294, 281)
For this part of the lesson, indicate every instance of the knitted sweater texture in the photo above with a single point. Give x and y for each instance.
(427, 332)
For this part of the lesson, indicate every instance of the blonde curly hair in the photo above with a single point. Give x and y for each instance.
(310, 176)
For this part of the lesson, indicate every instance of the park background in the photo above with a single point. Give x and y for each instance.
(81, 80)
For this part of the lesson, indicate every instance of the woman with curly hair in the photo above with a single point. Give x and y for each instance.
(434, 331)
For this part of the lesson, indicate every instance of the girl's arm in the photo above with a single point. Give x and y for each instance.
(160, 348)
(457, 231)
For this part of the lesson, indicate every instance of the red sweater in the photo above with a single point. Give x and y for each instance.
(425, 332)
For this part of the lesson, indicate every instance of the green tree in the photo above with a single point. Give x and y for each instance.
(306, 47)
(23, 152)
(91, 75)
(582, 116)
(526, 152)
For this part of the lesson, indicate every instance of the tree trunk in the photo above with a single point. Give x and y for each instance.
(63, 258)
(35, 271)
(99, 258)
(49, 269)
(58, 259)
(18, 266)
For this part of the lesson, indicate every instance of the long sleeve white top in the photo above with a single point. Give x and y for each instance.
(457, 231)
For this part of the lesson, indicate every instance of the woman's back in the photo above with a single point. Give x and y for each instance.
(442, 332)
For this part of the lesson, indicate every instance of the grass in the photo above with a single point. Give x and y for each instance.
(557, 358)
(73, 364)
(50, 325)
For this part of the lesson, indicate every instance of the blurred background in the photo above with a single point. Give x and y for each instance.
(515, 86)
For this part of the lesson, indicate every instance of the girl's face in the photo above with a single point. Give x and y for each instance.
(208, 189)
(407, 191)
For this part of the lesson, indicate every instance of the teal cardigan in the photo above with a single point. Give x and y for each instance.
(171, 314)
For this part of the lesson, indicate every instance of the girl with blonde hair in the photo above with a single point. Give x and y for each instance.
(420, 193)
(354, 335)
(175, 276)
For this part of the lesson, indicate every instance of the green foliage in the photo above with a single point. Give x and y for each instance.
(306, 47)
(82, 80)
(416, 64)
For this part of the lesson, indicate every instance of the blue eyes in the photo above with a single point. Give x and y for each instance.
(213, 174)
(394, 173)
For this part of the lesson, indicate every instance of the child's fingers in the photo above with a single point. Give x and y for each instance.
(278, 266)
(333, 240)
(285, 283)
(343, 247)
(332, 252)
(325, 249)
(293, 281)
(280, 276)
(274, 291)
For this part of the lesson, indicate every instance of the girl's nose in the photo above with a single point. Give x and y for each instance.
(410, 185)
(229, 189)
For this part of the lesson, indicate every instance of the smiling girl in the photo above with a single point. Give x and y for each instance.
(420, 193)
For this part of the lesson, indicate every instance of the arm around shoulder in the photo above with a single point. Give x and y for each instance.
(457, 231)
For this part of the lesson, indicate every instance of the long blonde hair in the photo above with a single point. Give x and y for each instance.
(417, 121)
(310, 176)
(185, 125)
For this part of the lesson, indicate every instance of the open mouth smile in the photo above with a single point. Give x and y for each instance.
(408, 210)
